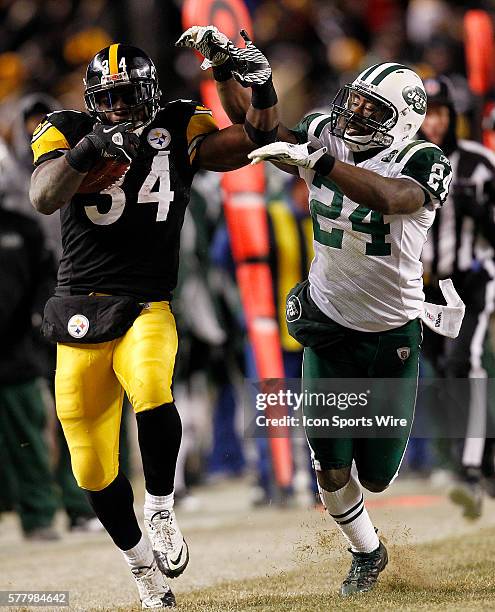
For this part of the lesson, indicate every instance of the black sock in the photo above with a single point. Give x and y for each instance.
(159, 435)
(113, 505)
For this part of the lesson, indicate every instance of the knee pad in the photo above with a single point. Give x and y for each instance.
(89, 470)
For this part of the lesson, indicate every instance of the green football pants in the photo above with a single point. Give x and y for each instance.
(367, 355)
(26, 476)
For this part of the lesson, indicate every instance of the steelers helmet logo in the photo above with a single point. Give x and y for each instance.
(159, 138)
(78, 326)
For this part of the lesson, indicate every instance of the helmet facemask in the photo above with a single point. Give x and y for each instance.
(363, 130)
(121, 85)
(139, 97)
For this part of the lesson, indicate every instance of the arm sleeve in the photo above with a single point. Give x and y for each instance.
(431, 170)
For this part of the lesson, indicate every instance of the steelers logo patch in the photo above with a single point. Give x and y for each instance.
(159, 138)
(78, 326)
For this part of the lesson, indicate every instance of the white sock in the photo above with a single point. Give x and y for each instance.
(157, 503)
(140, 555)
(346, 506)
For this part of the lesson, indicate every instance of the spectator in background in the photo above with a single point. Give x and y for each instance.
(17, 160)
(25, 270)
(461, 245)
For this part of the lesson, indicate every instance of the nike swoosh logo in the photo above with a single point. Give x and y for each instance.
(176, 562)
(106, 130)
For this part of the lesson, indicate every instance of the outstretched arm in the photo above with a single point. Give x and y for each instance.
(227, 149)
(235, 70)
(390, 196)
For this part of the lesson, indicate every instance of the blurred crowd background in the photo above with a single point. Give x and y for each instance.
(314, 47)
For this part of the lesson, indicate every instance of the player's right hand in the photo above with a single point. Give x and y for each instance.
(115, 141)
(287, 153)
(209, 41)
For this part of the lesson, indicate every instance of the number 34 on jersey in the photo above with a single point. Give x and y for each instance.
(158, 179)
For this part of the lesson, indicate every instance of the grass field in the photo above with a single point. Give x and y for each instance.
(279, 561)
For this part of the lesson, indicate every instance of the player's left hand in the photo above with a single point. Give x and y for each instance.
(287, 153)
(208, 41)
(250, 65)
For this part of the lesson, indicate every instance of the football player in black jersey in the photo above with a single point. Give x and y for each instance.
(123, 242)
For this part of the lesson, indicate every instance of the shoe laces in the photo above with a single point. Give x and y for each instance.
(363, 564)
(148, 585)
(165, 527)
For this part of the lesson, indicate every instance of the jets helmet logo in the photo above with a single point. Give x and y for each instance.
(293, 309)
(78, 326)
(415, 98)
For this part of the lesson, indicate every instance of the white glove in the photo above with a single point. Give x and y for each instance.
(445, 320)
(209, 41)
(287, 153)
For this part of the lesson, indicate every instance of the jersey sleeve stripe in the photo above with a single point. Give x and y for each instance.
(50, 140)
(40, 130)
(410, 146)
(194, 143)
(316, 126)
(200, 124)
(413, 151)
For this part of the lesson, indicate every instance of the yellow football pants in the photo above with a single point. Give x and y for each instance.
(89, 387)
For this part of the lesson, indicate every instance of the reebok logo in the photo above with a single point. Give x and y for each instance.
(403, 353)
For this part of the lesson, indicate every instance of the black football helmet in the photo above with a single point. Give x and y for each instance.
(126, 73)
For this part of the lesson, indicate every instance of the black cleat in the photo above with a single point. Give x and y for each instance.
(364, 571)
(468, 495)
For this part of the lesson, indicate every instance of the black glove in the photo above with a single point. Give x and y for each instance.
(112, 141)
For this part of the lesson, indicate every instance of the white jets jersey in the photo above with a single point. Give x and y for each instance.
(367, 274)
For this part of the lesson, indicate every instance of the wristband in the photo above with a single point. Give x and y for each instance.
(264, 95)
(260, 137)
(324, 165)
(83, 156)
(224, 71)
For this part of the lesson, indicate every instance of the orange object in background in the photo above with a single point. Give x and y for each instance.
(480, 51)
(246, 217)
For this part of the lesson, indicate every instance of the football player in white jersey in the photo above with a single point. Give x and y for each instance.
(373, 195)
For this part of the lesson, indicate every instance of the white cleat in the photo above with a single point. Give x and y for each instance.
(169, 547)
(154, 592)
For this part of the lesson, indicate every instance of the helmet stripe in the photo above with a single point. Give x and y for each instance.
(112, 59)
(369, 71)
(384, 73)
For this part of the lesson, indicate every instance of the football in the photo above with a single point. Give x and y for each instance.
(103, 175)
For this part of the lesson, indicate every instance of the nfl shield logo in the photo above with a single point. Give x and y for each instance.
(293, 309)
(403, 353)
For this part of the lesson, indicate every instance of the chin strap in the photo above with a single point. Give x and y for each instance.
(445, 320)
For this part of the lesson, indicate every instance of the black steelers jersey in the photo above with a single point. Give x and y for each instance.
(124, 240)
